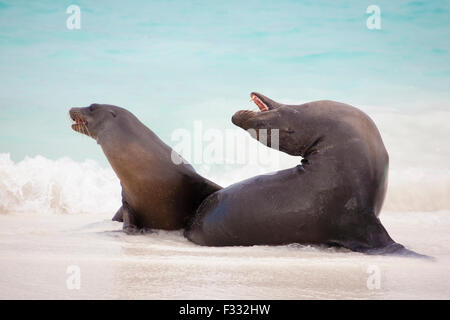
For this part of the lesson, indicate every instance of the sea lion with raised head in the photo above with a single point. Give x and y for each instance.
(333, 197)
(157, 193)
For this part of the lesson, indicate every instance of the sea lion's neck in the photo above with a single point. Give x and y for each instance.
(129, 152)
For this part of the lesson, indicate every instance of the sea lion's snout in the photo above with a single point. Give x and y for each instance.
(96, 120)
(79, 121)
(242, 118)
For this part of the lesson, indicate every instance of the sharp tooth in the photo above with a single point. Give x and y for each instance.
(252, 98)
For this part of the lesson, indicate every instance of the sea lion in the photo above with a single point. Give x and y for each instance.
(157, 193)
(333, 197)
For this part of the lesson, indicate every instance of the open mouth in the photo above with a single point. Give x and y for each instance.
(79, 124)
(261, 105)
(241, 117)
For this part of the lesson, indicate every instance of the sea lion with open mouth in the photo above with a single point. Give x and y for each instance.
(157, 193)
(333, 197)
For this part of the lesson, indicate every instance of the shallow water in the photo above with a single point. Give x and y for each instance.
(36, 250)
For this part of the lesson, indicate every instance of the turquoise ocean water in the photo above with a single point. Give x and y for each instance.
(173, 62)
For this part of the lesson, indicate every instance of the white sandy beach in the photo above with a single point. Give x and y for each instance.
(36, 250)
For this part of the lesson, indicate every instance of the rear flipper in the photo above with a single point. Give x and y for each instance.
(396, 249)
(373, 239)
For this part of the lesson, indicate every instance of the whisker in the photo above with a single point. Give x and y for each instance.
(87, 130)
(80, 124)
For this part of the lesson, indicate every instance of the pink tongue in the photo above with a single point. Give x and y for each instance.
(259, 103)
(263, 108)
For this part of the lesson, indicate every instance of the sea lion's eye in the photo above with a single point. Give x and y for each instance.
(113, 114)
(93, 106)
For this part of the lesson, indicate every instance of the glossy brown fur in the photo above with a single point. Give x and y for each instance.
(157, 193)
(333, 197)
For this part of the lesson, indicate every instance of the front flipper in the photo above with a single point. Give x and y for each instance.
(118, 216)
(131, 224)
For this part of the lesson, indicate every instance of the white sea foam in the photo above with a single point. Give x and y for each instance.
(66, 186)
(57, 186)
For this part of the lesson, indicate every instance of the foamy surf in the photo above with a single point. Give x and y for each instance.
(42, 185)
(64, 186)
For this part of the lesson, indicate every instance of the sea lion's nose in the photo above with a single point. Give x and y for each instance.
(241, 118)
(74, 112)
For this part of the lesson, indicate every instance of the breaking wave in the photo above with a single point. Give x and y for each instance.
(65, 186)
(57, 186)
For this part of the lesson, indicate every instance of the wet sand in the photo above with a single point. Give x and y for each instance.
(37, 249)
